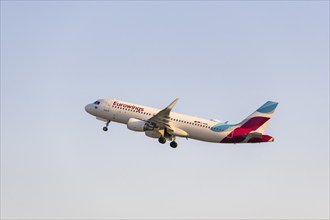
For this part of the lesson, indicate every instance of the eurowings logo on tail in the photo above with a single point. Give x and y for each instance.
(251, 129)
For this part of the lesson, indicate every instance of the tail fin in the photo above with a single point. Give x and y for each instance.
(259, 119)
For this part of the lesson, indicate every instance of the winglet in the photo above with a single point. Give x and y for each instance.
(170, 106)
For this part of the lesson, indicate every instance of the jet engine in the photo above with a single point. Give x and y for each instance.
(139, 125)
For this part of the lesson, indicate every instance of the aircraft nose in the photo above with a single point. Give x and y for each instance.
(88, 108)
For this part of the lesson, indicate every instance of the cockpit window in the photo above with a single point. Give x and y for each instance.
(97, 103)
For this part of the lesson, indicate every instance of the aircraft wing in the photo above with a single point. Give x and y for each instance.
(162, 121)
(162, 118)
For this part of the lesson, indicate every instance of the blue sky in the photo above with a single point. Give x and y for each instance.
(222, 59)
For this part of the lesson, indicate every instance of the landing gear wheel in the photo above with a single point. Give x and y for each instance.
(173, 144)
(162, 140)
(106, 126)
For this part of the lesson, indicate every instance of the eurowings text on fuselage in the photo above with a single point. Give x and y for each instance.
(167, 125)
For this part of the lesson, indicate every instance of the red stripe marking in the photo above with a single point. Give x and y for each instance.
(238, 134)
(254, 123)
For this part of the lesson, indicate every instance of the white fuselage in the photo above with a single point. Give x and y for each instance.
(121, 112)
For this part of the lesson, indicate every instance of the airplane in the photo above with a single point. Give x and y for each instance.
(167, 125)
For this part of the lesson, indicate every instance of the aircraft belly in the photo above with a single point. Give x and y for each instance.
(122, 118)
(202, 134)
(207, 136)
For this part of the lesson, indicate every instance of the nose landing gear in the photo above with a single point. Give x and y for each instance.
(106, 126)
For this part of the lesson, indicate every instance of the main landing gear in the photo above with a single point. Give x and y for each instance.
(162, 140)
(173, 144)
(106, 126)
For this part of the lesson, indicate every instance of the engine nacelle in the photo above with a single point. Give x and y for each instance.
(138, 125)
